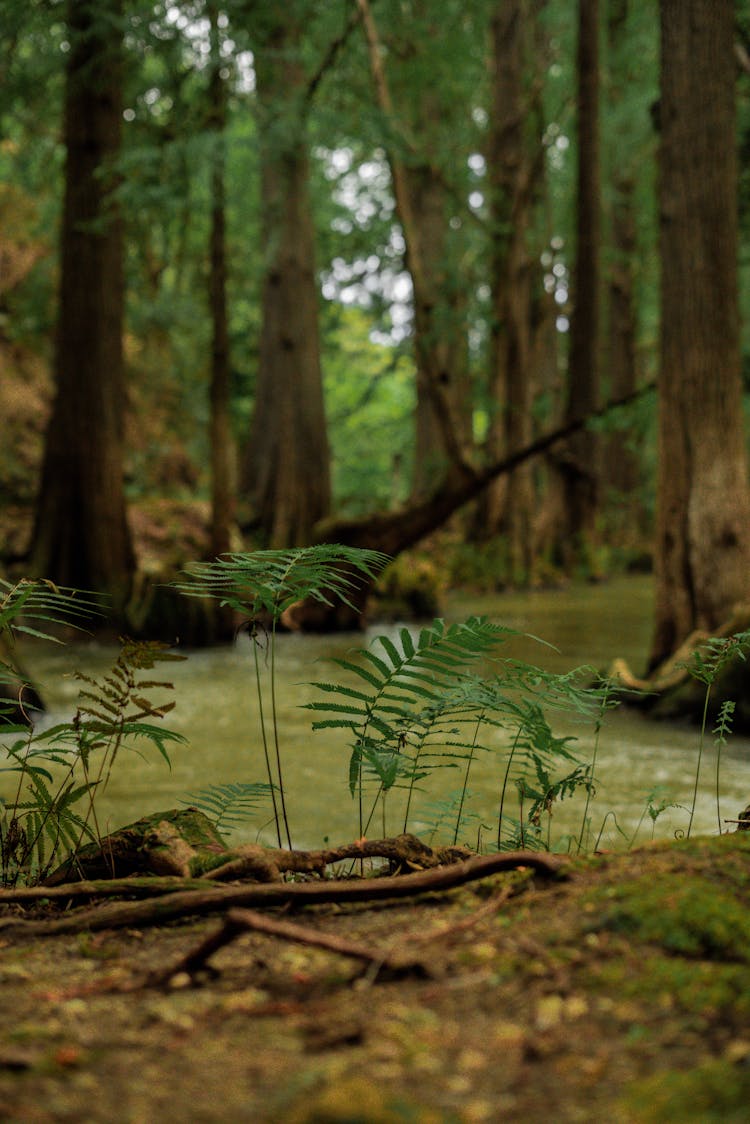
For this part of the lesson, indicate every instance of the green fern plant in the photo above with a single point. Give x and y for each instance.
(40, 609)
(70, 762)
(229, 805)
(263, 585)
(404, 694)
(705, 665)
(417, 705)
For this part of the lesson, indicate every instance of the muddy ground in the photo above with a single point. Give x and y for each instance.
(620, 993)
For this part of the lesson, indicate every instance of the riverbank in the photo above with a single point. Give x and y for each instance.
(621, 992)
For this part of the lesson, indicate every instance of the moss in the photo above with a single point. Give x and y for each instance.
(411, 588)
(688, 917)
(715, 1091)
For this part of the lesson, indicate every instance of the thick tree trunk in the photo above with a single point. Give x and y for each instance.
(703, 511)
(81, 535)
(580, 466)
(287, 472)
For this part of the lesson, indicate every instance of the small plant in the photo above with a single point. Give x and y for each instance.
(419, 706)
(229, 805)
(262, 586)
(705, 665)
(58, 768)
(657, 803)
(71, 763)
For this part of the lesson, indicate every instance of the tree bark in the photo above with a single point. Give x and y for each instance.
(286, 470)
(703, 509)
(621, 474)
(579, 467)
(507, 505)
(222, 438)
(423, 206)
(81, 536)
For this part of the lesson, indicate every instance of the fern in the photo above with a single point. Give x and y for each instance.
(404, 691)
(268, 582)
(42, 602)
(229, 805)
(113, 714)
(705, 665)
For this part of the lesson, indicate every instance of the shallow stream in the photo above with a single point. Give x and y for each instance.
(217, 711)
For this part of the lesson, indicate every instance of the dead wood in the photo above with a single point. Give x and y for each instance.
(200, 902)
(239, 921)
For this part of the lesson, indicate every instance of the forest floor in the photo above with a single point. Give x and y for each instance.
(620, 992)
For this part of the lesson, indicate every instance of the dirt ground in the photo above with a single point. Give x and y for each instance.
(618, 993)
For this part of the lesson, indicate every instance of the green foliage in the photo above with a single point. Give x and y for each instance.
(40, 609)
(56, 769)
(71, 762)
(705, 665)
(418, 706)
(229, 805)
(264, 585)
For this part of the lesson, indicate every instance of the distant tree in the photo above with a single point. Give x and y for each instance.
(81, 536)
(513, 167)
(621, 469)
(580, 467)
(223, 473)
(416, 127)
(286, 471)
(703, 509)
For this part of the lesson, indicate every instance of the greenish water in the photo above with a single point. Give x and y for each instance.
(217, 710)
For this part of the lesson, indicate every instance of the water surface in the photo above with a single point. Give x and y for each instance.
(217, 710)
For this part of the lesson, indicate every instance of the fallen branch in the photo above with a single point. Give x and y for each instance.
(200, 902)
(239, 921)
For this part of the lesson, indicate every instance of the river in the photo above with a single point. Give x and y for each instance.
(216, 709)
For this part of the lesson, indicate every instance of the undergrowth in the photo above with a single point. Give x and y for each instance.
(415, 707)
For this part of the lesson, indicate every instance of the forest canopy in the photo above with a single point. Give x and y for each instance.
(334, 271)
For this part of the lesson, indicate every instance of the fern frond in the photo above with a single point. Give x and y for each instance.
(43, 602)
(273, 580)
(229, 805)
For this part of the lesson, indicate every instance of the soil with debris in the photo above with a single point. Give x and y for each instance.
(620, 992)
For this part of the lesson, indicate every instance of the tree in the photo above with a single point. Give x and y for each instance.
(81, 536)
(621, 466)
(703, 506)
(222, 439)
(579, 467)
(512, 168)
(286, 469)
(425, 205)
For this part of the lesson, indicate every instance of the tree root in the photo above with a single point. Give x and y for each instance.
(202, 901)
(673, 672)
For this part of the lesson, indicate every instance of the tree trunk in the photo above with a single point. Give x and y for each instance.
(579, 466)
(622, 476)
(443, 423)
(440, 340)
(703, 510)
(287, 471)
(222, 438)
(81, 535)
(507, 505)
